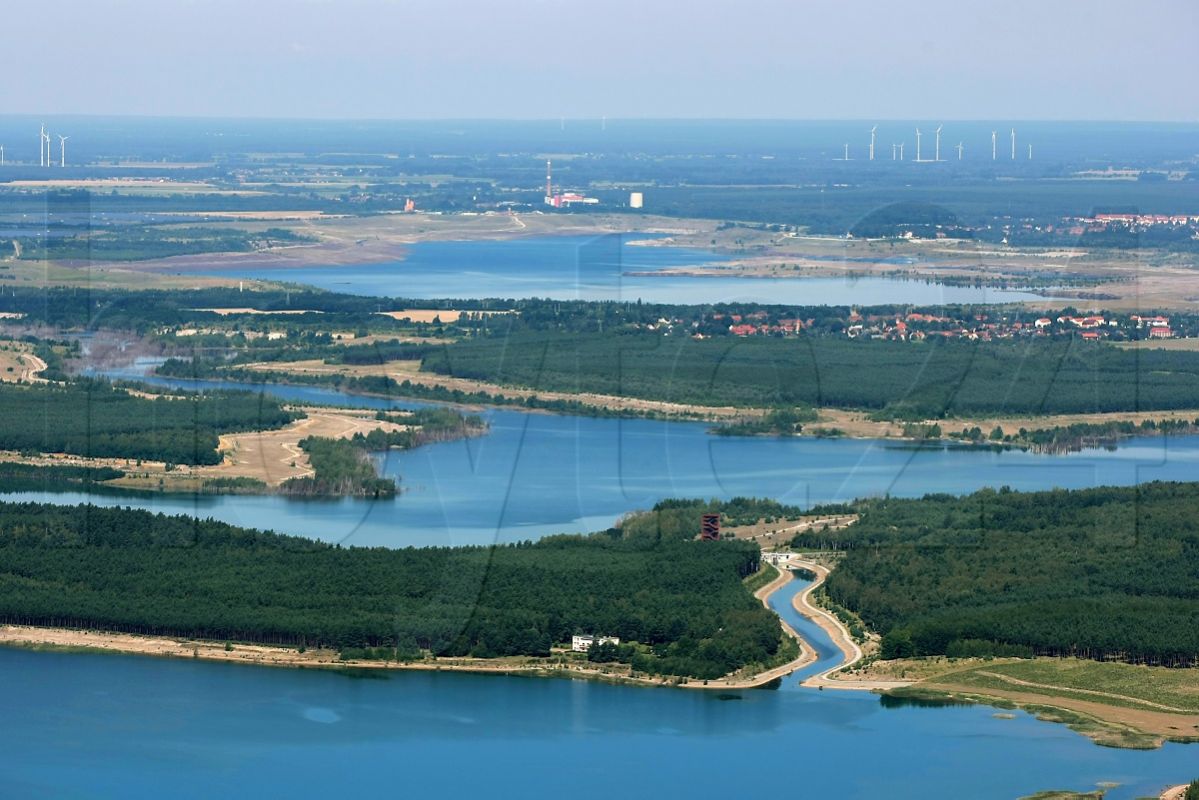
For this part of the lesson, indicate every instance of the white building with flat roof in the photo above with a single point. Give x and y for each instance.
(581, 644)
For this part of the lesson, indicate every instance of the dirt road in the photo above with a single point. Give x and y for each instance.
(21, 366)
(840, 636)
(275, 456)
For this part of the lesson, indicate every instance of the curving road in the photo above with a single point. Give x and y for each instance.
(851, 652)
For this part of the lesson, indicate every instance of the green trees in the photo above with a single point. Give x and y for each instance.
(91, 418)
(1109, 573)
(897, 643)
(901, 380)
(126, 570)
(342, 469)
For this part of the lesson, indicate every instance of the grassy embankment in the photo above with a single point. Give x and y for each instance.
(1117, 705)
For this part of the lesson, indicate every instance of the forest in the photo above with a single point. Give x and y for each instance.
(1106, 573)
(92, 418)
(20, 477)
(140, 242)
(683, 602)
(679, 519)
(906, 380)
(341, 468)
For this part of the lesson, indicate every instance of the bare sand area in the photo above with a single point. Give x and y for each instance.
(779, 533)
(18, 364)
(268, 456)
(342, 241)
(275, 456)
(446, 315)
(858, 424)
(1139, 280)
(225, 312)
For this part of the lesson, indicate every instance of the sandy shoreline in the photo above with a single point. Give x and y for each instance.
(34, 637)
(850, 651)
(850, 423)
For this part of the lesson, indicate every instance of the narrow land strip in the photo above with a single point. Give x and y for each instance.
(279, 656)
(849, 423)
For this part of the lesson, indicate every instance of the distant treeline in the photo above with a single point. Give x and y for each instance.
(91, 418)
(119, 569)
(141, 242)
(900, 380)
(21, 477)
(144, 310)
(1107, 573)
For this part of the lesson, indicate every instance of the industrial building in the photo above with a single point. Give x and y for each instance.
(563, 199)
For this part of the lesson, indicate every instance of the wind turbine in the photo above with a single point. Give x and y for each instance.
(894, 152)
(1, 155)
(994, 145)
(901, 151)
(846, 152)
(938, 152)
(918, 146)
(41, 146)
(961, 147)
(62, 143)
(49, 159)
(1013, 144)
(873, 131)
(1030, 152)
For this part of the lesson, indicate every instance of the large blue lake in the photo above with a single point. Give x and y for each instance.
(536, 474)
(117, 726)
(598, 268)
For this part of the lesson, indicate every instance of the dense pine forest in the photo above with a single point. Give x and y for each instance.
(1107, 573)
(18, 477)
(126, 570)
(91, 418)
(901, 379)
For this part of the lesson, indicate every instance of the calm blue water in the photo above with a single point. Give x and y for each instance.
(118, 726)
(536, 474)
(595, 268)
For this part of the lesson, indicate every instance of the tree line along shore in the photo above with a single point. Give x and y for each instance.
(112, 437)
(1102, 576)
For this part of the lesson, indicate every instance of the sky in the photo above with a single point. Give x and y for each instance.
(544, 59)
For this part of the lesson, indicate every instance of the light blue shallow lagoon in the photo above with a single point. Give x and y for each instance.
(604, 267)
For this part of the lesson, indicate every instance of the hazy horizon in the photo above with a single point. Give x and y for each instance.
(537, 59)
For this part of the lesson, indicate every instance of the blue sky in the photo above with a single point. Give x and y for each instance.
(819, 59)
